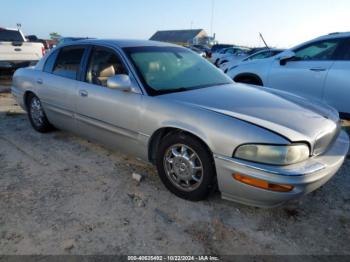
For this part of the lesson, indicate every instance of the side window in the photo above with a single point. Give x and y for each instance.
(50, 62)
(68, 62)
(323, 50)
(343, 52)
(103, 64)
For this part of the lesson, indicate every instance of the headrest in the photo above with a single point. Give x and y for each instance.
(107, 71)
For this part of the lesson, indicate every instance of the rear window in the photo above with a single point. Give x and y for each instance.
(10, 36)
(68, 62)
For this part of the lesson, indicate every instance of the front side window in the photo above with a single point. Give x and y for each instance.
(323, 50)
(68, 62)
(103, 64)
(173, 69)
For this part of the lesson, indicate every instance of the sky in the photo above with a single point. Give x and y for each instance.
(283, 23)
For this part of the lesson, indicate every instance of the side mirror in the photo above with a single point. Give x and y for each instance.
(285, 56)
(121, 82)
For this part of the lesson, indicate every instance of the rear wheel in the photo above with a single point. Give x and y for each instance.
(37, 115)
(186, 166)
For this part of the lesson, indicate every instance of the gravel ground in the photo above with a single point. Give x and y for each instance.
(60, 194)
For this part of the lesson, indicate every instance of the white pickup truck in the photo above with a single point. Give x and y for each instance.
(16, 51)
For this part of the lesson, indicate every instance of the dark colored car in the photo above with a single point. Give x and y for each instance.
(218, 47)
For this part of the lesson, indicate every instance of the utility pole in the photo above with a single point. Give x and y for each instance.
(212, 16)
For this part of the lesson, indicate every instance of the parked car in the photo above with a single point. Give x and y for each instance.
(216, 48)
(317, 69)
(198, 51)
(231, 63)
(16, 51)
(238, 56)
(164, 104)
(35, 39)
(232, 51)
(205, 49)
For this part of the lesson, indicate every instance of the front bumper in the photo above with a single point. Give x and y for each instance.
(305, 177)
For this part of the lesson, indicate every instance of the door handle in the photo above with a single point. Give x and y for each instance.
(318, 69)
(83, 93)
(39, 81)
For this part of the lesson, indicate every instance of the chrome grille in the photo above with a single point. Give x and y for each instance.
(324, 141)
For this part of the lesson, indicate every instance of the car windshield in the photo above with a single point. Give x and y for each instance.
(173, 69)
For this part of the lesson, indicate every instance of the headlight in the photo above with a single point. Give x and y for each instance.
(274, 154)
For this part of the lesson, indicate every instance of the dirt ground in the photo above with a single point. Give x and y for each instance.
(60, 194)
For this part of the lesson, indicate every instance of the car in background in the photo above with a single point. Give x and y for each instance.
(165, 104)
(16, 51)
(35, 39)
(231, 51)
(204, 48)
(65, 40)
(229, 64)
(198, 51)
(318, 69)
(239, 56)
(216, 48)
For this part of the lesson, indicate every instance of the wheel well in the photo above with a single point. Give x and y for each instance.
(160, 134)
(26, 97)
(252, 77)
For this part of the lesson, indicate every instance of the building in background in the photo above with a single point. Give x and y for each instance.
(184, 37)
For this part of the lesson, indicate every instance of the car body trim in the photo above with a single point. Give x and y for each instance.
(109, 127)
(277, 170)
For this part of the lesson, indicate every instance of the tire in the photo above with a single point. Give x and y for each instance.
(37, 116)
(202, 181)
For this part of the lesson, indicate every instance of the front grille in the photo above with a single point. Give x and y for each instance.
(324, 141)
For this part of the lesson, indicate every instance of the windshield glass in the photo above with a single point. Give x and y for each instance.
(173, 69)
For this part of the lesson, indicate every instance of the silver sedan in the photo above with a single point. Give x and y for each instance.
(167, 105)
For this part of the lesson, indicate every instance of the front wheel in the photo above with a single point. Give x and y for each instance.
(186, 167)
(37, 115)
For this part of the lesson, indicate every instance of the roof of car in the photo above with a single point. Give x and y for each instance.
(121, 43)
(334, 35)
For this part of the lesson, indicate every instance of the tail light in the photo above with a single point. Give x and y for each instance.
(43, 50)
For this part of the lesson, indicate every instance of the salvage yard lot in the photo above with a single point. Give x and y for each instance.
(60, 194)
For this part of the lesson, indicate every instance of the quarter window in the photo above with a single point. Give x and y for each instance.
(323, 50)
(68, 62)
(103, 64)
(50, 62)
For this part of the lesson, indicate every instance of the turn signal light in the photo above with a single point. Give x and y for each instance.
(262, 184)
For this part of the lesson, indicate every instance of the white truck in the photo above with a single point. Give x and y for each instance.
(16, 51)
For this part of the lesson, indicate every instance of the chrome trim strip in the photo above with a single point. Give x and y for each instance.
(57, 109)
(107, 126)
(306, 170)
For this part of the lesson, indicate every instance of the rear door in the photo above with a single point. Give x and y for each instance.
(306, 73)
(107, 115)
(337, 86)
(58, 85)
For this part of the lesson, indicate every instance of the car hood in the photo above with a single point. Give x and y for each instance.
(291, 116)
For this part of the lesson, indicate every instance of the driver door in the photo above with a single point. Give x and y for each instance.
(306, 73)
(110, 116)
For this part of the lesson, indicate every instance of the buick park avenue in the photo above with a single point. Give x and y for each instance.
(167, 105)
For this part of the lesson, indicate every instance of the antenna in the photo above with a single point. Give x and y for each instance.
(262, 38)
(19, 25)
(212, 16)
